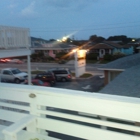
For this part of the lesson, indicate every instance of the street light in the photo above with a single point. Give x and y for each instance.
(64, 39)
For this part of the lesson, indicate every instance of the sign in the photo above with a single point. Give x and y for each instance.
(81, 54)
(80, 62)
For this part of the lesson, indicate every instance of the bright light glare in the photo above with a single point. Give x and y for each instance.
(74, 50)
(64, 38)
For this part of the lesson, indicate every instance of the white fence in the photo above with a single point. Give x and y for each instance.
(66, 114)
(14, 37)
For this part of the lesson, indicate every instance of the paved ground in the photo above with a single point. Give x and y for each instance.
(92, 84)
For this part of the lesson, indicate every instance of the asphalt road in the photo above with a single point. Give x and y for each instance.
(92, 84)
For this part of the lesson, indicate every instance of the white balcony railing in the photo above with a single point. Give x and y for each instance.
(14, 37)
(32, 112)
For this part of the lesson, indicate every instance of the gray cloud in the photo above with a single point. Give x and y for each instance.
(67, 3)
(29, 11)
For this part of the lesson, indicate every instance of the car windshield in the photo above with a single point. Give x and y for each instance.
(40, 82)
(16, 71)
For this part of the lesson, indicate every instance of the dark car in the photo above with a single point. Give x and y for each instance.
(38, 82)
(46, 77)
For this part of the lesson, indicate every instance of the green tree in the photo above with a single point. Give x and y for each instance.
(91, 56)
(122, 38)
(61, 55)
(96, 39)
(117, 55)
(52, 40)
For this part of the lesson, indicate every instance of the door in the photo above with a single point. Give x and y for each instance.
(7, 75)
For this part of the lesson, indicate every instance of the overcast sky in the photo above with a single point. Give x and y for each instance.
(79, 18)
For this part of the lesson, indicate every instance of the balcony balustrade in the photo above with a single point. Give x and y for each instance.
(43, 113)
(14, 37)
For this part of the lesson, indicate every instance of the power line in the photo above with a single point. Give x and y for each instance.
(83, 30)
(84, 26)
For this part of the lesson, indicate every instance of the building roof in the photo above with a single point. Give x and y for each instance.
(112, 44)
(127, 46)
(125, 84)
(101, 46)
(55, 46)
(123, 63)
(109, 45)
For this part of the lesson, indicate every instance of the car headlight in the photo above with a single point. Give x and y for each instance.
(20, 77)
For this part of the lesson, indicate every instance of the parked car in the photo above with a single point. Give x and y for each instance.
(12, 75)
(46, 77)
(38, 82)
(62, 74)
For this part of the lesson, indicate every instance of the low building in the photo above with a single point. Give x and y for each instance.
(114, 68)
(125, 84)
(51, 48)
(108, 47)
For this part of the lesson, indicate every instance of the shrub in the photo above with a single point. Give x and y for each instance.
(108, 57)
(117, 55)
(47, 59)
(40, 54)
(34, 56)
(91, 56)
(62, 55)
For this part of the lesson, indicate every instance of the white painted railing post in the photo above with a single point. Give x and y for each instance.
(13, 137)
(105, 119)
(33, 111)
(29, 69)
(32, 126)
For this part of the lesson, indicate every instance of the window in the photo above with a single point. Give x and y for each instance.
(54, 51)
(60, 72)
(16, 71)
(7, 72)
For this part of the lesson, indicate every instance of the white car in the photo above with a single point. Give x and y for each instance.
(13, 75)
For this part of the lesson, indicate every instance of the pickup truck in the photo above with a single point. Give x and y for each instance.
(12, 75)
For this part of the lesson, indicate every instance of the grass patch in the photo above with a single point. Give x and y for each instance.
(36, 71)
(104, 62)
(86, 75)
(73, 74)
(91, 61)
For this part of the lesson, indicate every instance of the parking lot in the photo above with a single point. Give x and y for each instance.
(92, 84)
